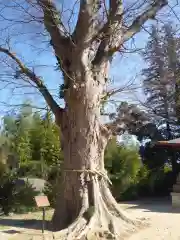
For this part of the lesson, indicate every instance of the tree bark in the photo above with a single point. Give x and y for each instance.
(85, 203)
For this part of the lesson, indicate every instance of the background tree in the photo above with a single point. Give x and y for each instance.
(33, 141)
(84, 56)
(45, 143)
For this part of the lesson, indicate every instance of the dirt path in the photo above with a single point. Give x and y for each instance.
(164, 222)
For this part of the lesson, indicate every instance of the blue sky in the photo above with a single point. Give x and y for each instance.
(28, 47)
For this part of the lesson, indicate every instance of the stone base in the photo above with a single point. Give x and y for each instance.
(175, 199)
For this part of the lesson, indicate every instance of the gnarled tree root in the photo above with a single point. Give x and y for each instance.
(107, 221)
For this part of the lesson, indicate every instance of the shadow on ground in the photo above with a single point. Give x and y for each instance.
(11, 231)
(161, 205)
(23, 223)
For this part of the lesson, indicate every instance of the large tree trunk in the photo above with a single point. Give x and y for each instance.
(85, 202)
(83, 151)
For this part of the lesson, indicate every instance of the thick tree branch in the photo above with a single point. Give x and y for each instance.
(37, 81)
(113, 34)
(150, 13)
(111, 31)
(115, 9)
(54, 27)
(86, 24)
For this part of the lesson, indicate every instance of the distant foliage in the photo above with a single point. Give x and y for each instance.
(32, 142)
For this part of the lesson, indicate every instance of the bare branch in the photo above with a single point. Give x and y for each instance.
(150, 13)
(129, 86)
(36, 80)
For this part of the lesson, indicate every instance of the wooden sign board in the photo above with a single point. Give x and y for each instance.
(42, 201)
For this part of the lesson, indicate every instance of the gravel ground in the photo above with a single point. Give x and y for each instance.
(164, 222)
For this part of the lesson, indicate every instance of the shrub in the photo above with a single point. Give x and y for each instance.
(24, 198)
(139, 187)
(123, 165)
(155, 182)
(13, 198)
(7, 191)
(161, 181)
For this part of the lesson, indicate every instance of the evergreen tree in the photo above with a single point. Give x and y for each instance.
(161, 75)
(50, 151)
(172, 52)
(16, 133)
(156, 82)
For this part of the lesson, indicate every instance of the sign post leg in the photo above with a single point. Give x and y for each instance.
(43, 220)
(42, 202)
